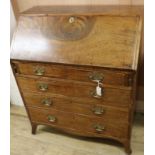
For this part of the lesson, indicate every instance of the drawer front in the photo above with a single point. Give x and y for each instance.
(96, 126)
(52, 117)
(75, 73)
(66, 105)
(73, 89)
(101, 127)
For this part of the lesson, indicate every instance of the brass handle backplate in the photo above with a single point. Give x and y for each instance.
(97, 110)
(99, 128)
(51, 118)
(43, 86)
(96, 77)
(39, 71)
(47, 102)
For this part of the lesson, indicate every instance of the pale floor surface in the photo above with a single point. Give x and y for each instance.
(47, 141)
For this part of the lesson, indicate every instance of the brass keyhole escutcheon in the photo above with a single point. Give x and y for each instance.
(71, 20)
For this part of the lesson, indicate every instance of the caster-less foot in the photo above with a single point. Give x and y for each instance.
(128, 152)
(127, 148)
(34, 128)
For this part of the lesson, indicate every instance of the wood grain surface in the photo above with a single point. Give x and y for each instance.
(48, 47)
(84, 108)
(78, 73)
(32, 43)
(75, 89)
(76, 122)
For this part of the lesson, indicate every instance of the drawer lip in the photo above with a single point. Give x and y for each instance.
(77, 73)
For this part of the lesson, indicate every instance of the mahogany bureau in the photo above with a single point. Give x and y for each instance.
(76, 68)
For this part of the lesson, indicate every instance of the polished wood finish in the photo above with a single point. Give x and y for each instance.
(121, 8)
(76, 72)
(25, 4)
(57, 99)
(111, 77)
(34, 128)
(42, 142)
(78, 122)
(83, 108)
(97, 47)
(75, 89)
(88, 9)
(62, 119)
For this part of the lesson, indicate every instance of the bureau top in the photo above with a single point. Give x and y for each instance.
(85, 10)
(79, 35)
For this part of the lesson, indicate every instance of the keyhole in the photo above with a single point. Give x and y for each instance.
(71, 20)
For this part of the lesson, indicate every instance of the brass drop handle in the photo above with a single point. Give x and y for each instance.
(71, 20)
(43, 86)
(51, 119)
(95, 95)
(97, 110)
(39, 71)
(96, 77)
(47, 102)
(98, 92)
(99, 128)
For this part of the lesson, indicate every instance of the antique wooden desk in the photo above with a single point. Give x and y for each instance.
(76, 68)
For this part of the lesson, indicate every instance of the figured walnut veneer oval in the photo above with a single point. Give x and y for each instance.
(68, 27)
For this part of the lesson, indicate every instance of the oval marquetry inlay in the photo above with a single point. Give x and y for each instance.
(68, 27)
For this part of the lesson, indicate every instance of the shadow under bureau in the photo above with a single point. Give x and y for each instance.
(76, 68)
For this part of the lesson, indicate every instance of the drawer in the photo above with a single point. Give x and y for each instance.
(66, 105)
(72, 89)
(86, 74)
(101, 127)
(94, 126)
(52, 117)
